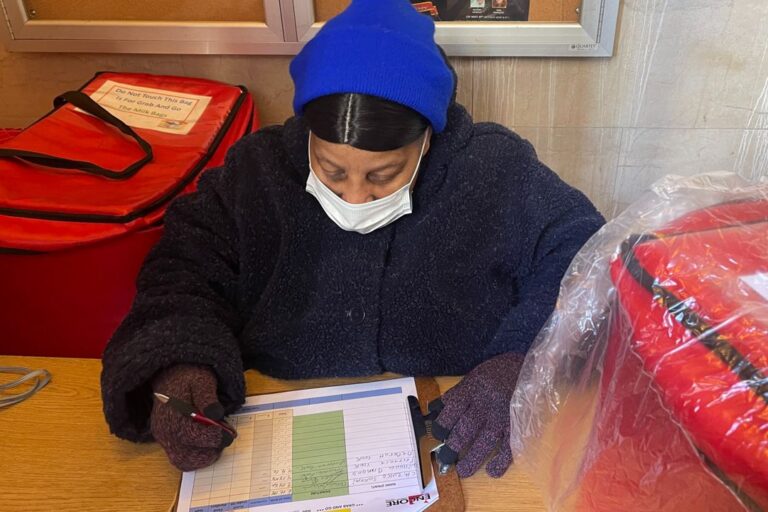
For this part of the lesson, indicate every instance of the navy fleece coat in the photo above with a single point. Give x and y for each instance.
(251, 273)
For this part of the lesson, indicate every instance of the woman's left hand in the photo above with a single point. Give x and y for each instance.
(474, 420)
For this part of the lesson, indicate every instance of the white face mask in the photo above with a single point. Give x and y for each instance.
(364, 217)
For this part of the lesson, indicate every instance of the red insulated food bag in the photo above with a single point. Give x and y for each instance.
(83, 191)
(695, 298)
(647, 388)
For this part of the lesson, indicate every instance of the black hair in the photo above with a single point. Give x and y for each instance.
(364, 122)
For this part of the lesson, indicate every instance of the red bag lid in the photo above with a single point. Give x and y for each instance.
(183, 120)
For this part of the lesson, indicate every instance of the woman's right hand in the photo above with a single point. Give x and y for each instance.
(188, 444)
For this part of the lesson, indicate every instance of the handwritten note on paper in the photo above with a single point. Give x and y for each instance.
(319, 456)
(153, 109)
(380, 470)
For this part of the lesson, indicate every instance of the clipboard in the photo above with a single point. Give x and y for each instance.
(449, 484)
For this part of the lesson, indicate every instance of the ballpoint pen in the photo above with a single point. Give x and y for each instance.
(187, 410)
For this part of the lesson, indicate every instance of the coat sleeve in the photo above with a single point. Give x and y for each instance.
(184, 311)
(556, 221)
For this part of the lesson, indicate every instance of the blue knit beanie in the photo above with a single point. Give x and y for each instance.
(382, 48)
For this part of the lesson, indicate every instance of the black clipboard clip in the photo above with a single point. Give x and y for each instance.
(427, 443)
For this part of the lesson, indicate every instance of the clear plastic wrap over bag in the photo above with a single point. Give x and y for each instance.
(646, 390)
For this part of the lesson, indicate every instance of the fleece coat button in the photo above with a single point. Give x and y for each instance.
(355, 314)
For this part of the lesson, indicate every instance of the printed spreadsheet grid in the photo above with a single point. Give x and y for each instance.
(316, 447)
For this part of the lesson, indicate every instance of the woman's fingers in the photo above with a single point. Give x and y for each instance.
(190, 458)
(484, 444)
(499, 464)
(465, 431)
(453, 409)
(169, 425)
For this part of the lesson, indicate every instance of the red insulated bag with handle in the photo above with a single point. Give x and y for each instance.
(83, 191)
(695, 298)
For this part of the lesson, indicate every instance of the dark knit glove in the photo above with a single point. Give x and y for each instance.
(474, 420)
(189, 444)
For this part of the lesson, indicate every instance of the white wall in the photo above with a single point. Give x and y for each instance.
(686, 92)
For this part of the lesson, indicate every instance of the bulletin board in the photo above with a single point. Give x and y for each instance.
(468, 28)
(147, 10)
(549, 11)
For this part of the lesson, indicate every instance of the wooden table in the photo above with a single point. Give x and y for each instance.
(56, 452)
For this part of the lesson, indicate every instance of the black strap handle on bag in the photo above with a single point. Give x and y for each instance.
(85, 103)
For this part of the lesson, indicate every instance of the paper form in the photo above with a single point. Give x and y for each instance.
(342, 449)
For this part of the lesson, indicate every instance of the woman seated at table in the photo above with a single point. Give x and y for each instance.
(378, 230)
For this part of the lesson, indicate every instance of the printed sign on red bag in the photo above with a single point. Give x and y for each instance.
(151, 108)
